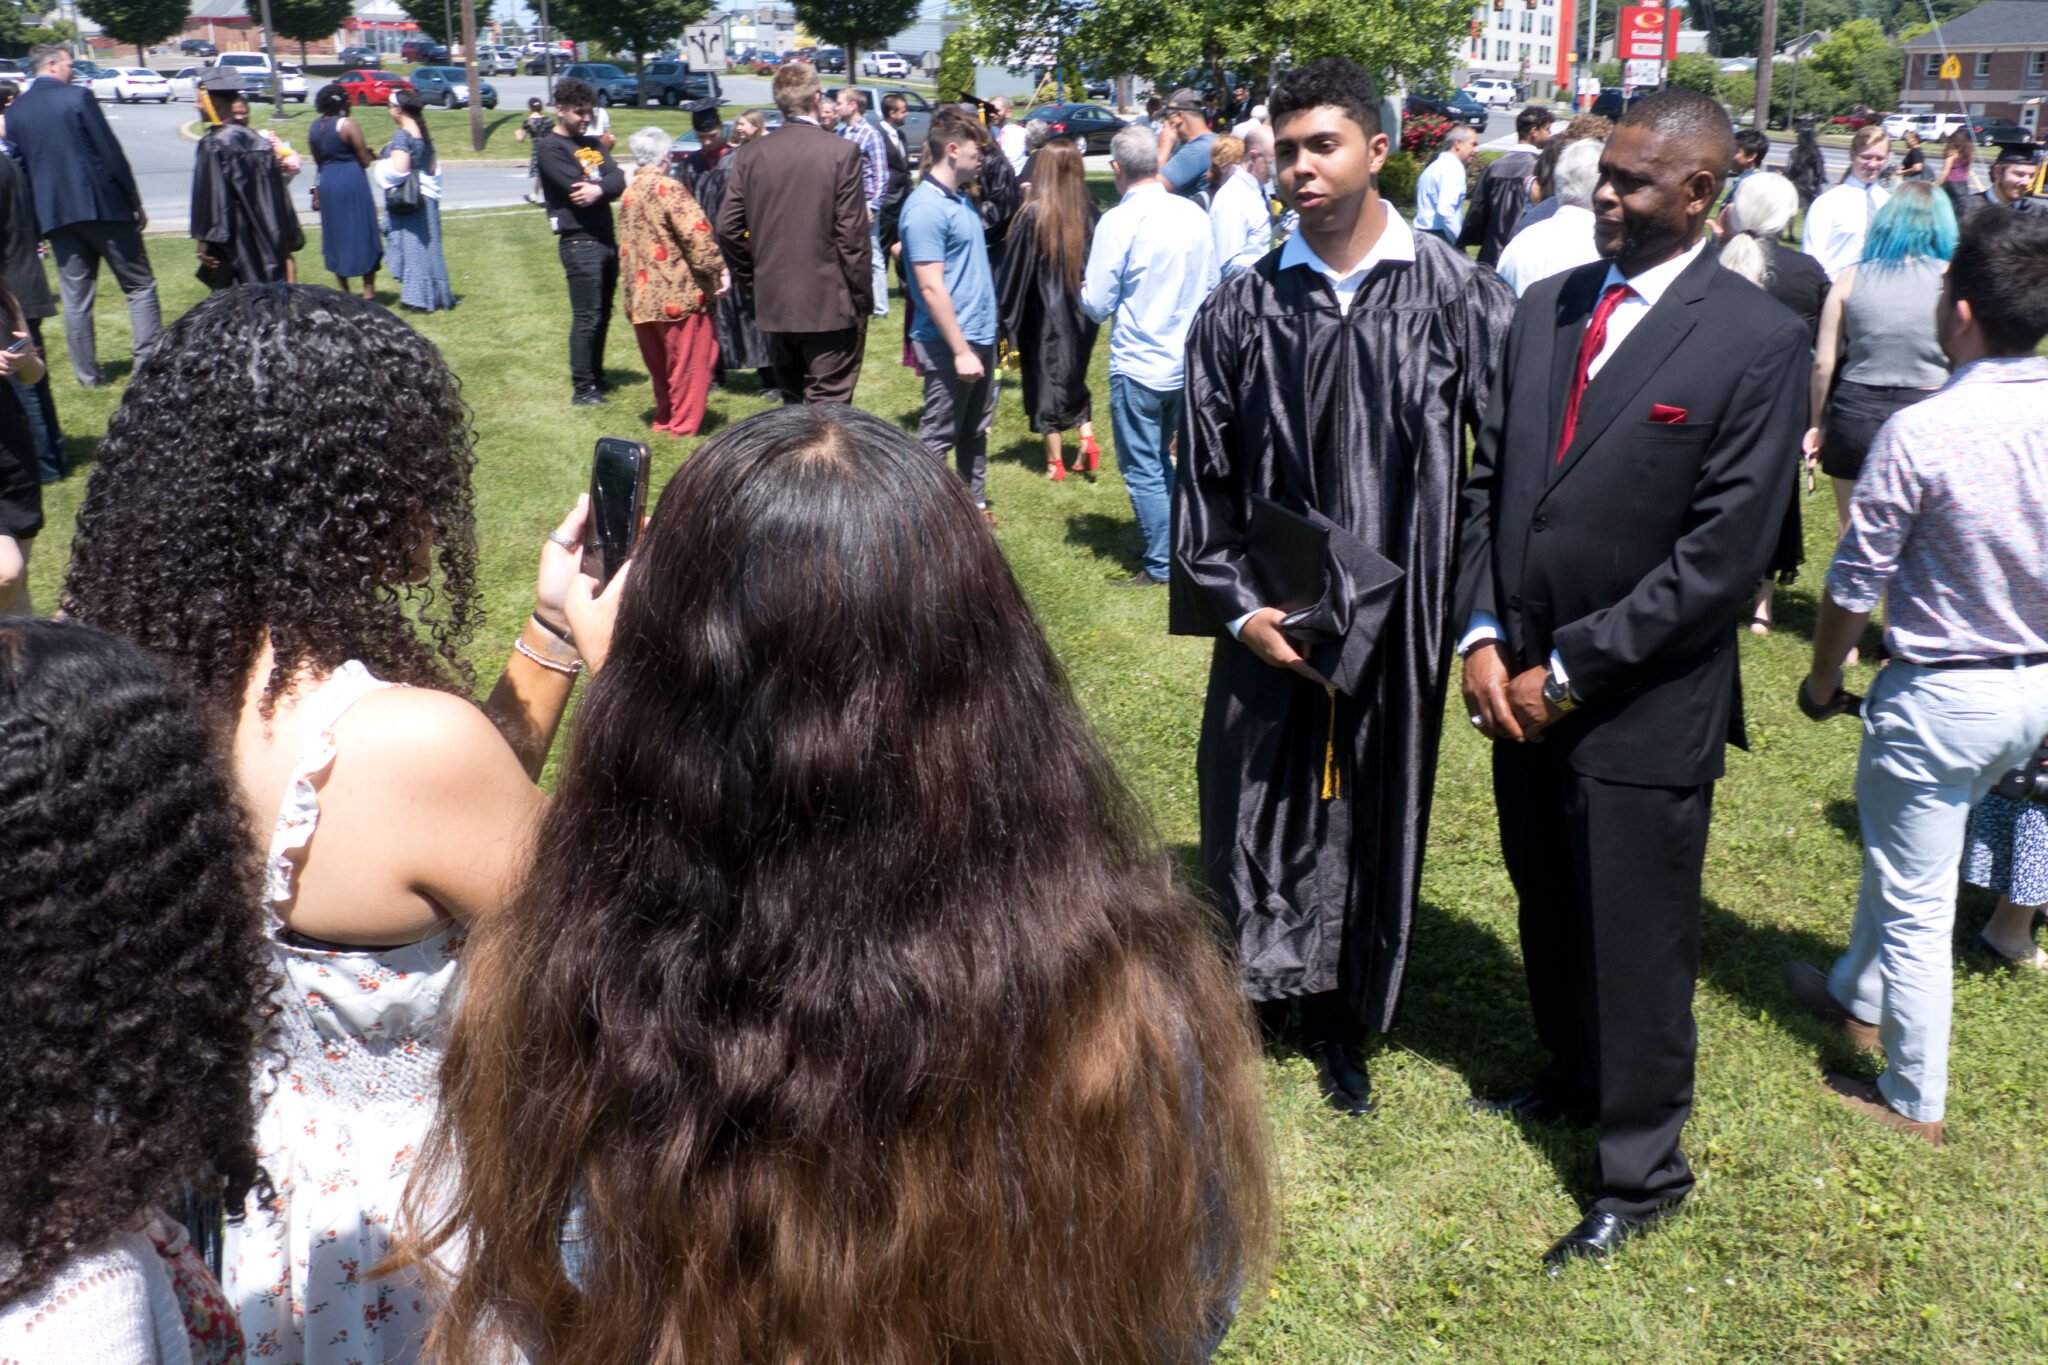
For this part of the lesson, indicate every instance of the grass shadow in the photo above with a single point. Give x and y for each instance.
(1744, 959)
(1841, 815)
(1027, 452)
(1106, 537)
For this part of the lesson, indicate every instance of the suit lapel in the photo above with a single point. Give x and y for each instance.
(1575, 303)
(1636, 361)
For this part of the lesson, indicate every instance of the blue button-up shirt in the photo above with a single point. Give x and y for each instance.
(1151, 266)
(1440, 196)
(874, 159)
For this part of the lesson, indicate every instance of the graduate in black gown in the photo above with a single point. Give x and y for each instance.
(1038, 300)
(740, 344)
(242, 215)
(1341, 393)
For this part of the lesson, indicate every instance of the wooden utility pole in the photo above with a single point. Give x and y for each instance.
(1766, 48)
(476, 89)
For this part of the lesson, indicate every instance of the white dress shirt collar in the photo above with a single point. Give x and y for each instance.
(1396, 243)
(1652, 283)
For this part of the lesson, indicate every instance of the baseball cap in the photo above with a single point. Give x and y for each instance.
(1187, 99)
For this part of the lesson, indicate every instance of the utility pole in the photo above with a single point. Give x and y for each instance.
(476, 89)
(270, 59)
(1792, 104)
(1766, 45)
(547, 58)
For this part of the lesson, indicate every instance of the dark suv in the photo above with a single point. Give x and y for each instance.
(831, 61)
(1457, 106)
(198, 47)
(1611, 104)
(613, 86)
(673, 83)
(422, 50)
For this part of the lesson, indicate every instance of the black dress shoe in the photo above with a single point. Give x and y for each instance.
(1537, 1104)
(1340, 1071)
(1597, 1235)
(1140, 579)
(590, 398)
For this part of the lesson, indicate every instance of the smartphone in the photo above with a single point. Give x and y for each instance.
(21, 347)
(618, 500)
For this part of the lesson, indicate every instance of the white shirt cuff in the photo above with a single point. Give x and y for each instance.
(1483, 626)
(1237, 626)
(1557, 670)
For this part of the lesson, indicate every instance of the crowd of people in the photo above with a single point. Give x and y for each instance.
(861, 1015)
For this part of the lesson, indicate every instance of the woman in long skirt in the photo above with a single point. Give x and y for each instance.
(414, 239)
(1039, 302)
(349, 240)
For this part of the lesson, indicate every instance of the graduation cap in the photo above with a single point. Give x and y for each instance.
(217, 92)
(2018, 154)
(704, 116)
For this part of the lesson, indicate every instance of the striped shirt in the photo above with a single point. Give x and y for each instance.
(1947, 525)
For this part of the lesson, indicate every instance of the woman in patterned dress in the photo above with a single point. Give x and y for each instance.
(673, 274)
(413, 240)
(2008, 853)
(317, 614)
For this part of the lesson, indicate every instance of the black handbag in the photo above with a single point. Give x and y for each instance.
(406, 196)
(2029, 781)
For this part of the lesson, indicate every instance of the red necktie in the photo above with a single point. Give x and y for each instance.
(1589, 346)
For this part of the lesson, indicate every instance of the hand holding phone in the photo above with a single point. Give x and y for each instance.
(618, 501)
(21, 346)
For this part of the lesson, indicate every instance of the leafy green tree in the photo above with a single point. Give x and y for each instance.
(433, 17)
(308, 21)
(1861, 61)
(637, 27)
(855, 24)
(1737, 25)
(956, 66)
(137, 22)
(1689, 71)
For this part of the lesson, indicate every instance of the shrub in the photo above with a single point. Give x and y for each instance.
(1398, 177)
(956, 67)
(1422, 135)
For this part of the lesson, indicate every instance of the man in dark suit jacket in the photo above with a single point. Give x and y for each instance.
(86, 204)
(1625, 494)
(794, 230)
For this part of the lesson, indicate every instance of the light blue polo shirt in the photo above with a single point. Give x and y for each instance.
(941, 226)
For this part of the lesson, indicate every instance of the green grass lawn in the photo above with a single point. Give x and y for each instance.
(450, 127)
(1814, 1236)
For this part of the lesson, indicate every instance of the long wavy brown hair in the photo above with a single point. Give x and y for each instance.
(1064, 212)
(851, 1005)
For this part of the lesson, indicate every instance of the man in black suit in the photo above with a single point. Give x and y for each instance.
(86, 204)
(1625, 494)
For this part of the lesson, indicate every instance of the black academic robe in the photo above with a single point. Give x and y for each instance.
(241, 206)
(1315, 806)
(740, 343)
(1042, 316)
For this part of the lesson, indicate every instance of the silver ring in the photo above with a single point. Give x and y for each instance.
(1476, 721)
(564, 541)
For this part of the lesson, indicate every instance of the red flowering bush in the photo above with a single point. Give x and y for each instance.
(1423, 134)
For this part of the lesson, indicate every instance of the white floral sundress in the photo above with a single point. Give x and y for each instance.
(343, 1111)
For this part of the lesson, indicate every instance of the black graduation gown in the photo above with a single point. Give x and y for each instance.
(241, 206)
(1362, 419)
(1798, 282)
(1043, 318)
(740, 344)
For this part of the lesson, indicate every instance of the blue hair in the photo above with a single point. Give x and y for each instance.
(1916, 223)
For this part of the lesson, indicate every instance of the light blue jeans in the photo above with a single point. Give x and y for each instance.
(881, 260)
(1935, 740)
(1143, 422)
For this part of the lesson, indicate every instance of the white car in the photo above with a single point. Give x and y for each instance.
(1895, 125)
(1492, 91)
(128, 83)
(1933, 127)
(497, 61)
(885, 64)
(185, 84)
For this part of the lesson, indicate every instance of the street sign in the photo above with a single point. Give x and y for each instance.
(1952, 68)
(1647, 31)
(1589, 85)
(1638, 73)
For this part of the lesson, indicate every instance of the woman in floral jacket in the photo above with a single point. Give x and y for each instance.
(673, 276)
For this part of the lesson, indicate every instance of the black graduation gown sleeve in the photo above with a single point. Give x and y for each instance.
(740, 343)
(1043, 318)
(1315, 804)
(241, 207)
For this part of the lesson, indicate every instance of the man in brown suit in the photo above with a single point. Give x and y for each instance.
(794, 230)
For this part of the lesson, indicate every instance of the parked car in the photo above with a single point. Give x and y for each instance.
(448, 86)
(198, 47)
(422, 50)
(371, 87)
(1091, 125)
(547, 60)
(613, 85)
(1099, 88)
(883, 64)
(1494, 91)
(830, 61)
(1456, 106)
(1989, 132)
(1612, 103)
(84, 73)
(917, 115)
(359, 56)
(184, 83)
(497, 61)
(243, 61)
(672, 83)
(11, 70)
(126, 84)
(1895, 125)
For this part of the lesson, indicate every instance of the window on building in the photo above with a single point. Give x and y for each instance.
(1543, 54)
(1528, 22)
(2037, 69)
(1931, 68)
(1500, 50)
(1982, 76)
(1549, 25)
(1521, 52)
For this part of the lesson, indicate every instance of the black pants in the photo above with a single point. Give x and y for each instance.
(817, 367)
(1608, 876)
(40, 407)
(593, 271)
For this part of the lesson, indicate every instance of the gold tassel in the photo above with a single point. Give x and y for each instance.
(1330, 749)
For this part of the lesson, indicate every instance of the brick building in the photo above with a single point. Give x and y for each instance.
(2001, 54)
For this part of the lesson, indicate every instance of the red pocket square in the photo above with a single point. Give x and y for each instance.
(1662, 412)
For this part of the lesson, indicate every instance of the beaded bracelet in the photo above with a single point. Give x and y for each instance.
(571, 669)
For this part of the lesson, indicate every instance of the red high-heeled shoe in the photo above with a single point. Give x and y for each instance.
(1055, 472)
(1091, 456)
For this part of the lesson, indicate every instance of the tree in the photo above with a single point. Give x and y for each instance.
(433, 16)
(1860, 61)
(1167, 38)
(956, 66)
(139, 22)
(1689, 71)
(637, 27)
(854, 24)
(308, 21)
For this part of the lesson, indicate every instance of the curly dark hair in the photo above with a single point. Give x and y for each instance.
(136, 959)
(288, 460)
(1335, 81)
